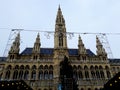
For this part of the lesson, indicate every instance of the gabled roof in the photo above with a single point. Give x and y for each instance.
(49, 51)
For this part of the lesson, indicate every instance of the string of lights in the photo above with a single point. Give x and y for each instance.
(69, 34)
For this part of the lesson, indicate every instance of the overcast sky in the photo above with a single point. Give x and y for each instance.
(94, 16)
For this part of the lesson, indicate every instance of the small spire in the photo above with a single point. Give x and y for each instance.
(100, 48)
(98, 41)
(59, 17)
(59, 7)
(82, 49)
(15, 45)
(38, 36)
(37, 44)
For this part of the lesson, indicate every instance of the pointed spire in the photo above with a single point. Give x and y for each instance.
(15, 45)
(100, 48)
(37, 44)
(60, 39)
(82, 49)
(59, 18)
(80, 41)
(59, 8)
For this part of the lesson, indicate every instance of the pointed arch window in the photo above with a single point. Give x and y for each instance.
(50, 74)
(41, 76)
(60, 39)
(46, 76)
(26, 75)
(15, 75)
(33, 75)
(7, 76)
(97, 74)
(108, 74)
(93, 74)
(21, 74)
(102, 74)
(11, 56)
(80, 75)
(86, 72)
(35, 57)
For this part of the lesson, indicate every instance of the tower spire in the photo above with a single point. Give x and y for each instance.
(82, 49)
(36, 48)
(15, 48)
(60, 18)
(60, 38)
(100, 50)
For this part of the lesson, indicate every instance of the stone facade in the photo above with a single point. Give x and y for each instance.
(39, 67)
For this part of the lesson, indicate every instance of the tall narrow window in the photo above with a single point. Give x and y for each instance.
(21, 74)
(33, 75)
(41, 76)
(15, 75)
(60, 39)
(7, 76)
(26, 75)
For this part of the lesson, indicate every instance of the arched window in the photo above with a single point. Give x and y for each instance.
(15, 75)
(98, 74)
(9, 67)
(21, 67)
(60, 39)
(27, 67)
(80, 68)
(108, 74)
(75, 75)
(16, 67)
(50, 74)
(33, 77)
(86, 72)
(21, 74)
(51, 67)
(46, 67)
(46, 75)
(80, 75)
(41, 67)
(26, 75)
(35, 57)
(41, 76)
(102, 74)
(11, 56)
(93, 74)
(7, 76)
(34, 67)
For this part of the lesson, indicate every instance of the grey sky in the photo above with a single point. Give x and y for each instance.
(96, 16)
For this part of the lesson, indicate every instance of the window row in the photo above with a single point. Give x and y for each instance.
(29, 76)
(91, 74)
(28, 67)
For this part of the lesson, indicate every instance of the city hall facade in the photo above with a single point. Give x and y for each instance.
(39, 67)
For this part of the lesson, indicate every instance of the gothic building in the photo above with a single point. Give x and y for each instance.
(39, 67)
